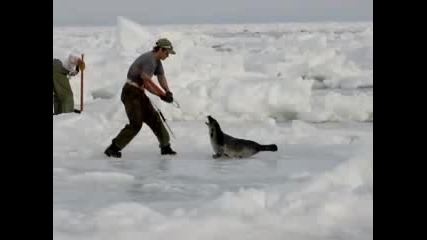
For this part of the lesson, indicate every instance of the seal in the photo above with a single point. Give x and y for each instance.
(225, 145)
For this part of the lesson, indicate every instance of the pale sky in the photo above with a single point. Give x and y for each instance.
(105, 12)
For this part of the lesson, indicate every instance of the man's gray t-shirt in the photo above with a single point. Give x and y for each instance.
(146, 63)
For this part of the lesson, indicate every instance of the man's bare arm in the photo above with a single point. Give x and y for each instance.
(151, 86)
(163, 82)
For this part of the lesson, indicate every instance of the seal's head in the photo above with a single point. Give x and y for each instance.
(211, 121)
(212, 124)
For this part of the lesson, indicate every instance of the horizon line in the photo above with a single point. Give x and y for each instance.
(214, 23)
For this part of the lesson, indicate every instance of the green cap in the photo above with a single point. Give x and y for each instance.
(165, 43)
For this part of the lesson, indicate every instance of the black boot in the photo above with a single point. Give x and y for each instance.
(113, 151)
(167, 150)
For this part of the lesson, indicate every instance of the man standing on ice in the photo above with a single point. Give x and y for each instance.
(137, 105)
(63, 99)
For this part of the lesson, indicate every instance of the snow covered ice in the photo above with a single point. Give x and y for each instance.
(306, 87)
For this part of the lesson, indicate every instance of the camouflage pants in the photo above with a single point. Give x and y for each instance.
(139, 110)
(63, 100)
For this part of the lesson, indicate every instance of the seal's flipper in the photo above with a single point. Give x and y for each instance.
(270, 147)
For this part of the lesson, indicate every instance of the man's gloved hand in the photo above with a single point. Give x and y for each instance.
(168, 97)
(81, 64)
